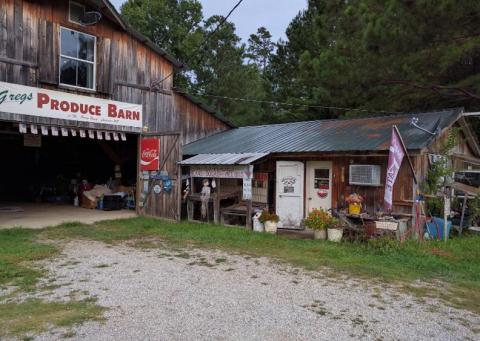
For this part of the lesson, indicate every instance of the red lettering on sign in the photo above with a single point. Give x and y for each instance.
(112, 110)
(64, 106)
(136, 115)
(54, 104)
(74, 107)
(42, 99)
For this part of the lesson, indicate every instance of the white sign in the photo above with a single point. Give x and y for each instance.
(247, 184)
(25, 100)
(224, 172)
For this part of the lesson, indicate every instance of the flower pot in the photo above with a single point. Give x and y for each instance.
(270, 227)
(320, 234)
(354, 208)
(335, 235)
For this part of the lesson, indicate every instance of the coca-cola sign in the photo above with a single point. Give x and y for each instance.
(150, 154)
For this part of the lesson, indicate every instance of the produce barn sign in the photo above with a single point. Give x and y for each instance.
(25, 100)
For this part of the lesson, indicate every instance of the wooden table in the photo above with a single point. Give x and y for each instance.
(215, 198)
(242, 209)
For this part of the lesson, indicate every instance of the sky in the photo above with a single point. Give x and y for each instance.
(275, 15)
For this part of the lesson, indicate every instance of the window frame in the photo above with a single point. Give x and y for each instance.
(70, 11)
(94, 62)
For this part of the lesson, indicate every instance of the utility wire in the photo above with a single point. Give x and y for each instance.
(294, 104)
(156, 83)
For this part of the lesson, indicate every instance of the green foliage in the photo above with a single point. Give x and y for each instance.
(267, 216)
(474, 210)
(384, 245)
(320, 219)
(440, 170)
(435, 207)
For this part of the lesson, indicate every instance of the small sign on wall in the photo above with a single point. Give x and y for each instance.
(30, 140)
(150, 154)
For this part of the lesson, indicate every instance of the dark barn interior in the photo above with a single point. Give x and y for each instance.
(47, 173)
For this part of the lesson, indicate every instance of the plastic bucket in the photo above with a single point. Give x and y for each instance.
(438, 224)
(354, 208)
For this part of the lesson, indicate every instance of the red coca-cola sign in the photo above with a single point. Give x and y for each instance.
(150, 154)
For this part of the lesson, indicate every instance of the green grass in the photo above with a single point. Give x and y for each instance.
(456, 263)
(18, 247)
(36, 316)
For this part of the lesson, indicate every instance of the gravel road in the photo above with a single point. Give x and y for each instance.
(164, 294)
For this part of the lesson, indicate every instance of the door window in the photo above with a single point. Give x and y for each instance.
(321, 179)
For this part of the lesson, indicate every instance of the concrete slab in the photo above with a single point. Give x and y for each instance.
(43, 215)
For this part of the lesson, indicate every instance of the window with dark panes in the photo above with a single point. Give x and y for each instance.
(77, 59)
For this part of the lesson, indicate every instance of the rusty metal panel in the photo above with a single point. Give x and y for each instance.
(360, 134)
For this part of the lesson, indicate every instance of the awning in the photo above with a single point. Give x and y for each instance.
(223, 159)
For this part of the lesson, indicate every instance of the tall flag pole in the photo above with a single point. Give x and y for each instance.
(395, 157)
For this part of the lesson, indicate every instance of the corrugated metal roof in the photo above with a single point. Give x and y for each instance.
(223, 159)
(361, 134)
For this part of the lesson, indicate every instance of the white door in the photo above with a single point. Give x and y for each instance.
(319, 185)
(289, 199)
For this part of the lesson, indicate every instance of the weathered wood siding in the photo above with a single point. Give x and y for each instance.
(196, 123)
(402, 192)
(125, 70)
(165, 205)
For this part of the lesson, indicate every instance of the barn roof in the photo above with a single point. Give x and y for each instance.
(339, 135)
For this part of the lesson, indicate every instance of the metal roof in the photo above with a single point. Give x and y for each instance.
(223, 159)
(360, 134)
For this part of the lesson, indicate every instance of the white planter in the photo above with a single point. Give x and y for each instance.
(335, 235)
(270, 227)
(320, 234)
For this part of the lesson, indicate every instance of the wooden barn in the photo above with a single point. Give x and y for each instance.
(292, 168)
(80, 91)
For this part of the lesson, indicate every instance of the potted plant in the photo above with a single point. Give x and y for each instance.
(354, 202)
(318, 220)
(269, 220)
(335, 231)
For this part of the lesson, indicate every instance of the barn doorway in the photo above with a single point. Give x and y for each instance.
(41, 174)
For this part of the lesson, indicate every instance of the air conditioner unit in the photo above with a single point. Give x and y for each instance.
(365, 175)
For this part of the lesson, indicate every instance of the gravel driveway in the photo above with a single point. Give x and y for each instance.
(163, 294)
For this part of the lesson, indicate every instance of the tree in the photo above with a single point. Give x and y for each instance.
(392, 55)
(260, 48)
(174, 25)
(223, 73)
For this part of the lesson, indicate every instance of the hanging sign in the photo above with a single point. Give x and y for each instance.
(247, 183)
(31, 140)
(26, 100)
(223, 172)
(150, 154)
(395, 159)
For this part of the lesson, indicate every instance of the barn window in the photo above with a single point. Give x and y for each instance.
(76, 12)
(77, 59)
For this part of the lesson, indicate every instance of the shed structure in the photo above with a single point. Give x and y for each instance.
(317, 164)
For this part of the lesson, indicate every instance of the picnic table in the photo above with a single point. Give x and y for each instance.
(215, 198)
(242, 209)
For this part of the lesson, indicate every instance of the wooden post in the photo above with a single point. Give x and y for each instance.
(463, 212)
(190, 206)
(216, 203)
(249, 214)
